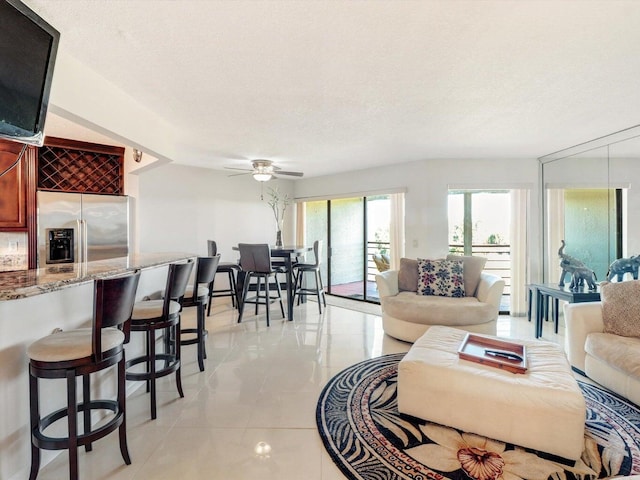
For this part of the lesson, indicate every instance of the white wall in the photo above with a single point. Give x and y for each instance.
(81, 95)
(181, 207)
(427, 183)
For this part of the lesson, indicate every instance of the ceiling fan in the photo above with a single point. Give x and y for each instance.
(264, 170)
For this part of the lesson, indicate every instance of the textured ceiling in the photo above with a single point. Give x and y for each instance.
(327, 86)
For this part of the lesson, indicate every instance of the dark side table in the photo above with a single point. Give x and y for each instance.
(546, 291)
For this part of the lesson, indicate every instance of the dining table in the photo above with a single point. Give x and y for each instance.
(286, 255)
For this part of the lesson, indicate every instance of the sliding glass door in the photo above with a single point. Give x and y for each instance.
(346, 233)
(355, 230)
(480, 224)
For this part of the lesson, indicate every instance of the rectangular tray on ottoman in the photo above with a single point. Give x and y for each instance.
(494, 351)
(541, 408)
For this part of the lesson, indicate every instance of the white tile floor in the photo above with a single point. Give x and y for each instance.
(260, 387)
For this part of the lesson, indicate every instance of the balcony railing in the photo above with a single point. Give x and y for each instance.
(498, 260)
(372, 249)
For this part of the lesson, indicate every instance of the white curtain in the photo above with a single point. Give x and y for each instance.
(300, 221)
(396, 230)
(518, 234)
(555, 232)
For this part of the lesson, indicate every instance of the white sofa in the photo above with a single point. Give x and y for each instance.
(611, 360)
(407, 315)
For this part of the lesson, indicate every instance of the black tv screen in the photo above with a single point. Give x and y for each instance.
(28, 47)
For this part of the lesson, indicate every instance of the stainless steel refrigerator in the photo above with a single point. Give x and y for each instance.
(74, 227)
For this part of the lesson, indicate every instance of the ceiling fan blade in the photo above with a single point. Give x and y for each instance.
(293, 174)
(264, 167)
(242, 169)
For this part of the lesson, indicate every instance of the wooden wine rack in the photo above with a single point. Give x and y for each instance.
(80, 167)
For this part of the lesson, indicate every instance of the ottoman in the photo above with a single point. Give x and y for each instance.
(542, 409)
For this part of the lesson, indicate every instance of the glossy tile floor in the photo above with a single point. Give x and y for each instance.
(251, 413)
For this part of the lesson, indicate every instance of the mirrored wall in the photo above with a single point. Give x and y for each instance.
(591, 203)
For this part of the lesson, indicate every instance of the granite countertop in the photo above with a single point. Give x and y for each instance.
(27, 283)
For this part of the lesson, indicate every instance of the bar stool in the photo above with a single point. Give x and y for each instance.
(301, 268)
(255, 261)
(197, 295)
(150, 316)
(231, 270)
(81, 352)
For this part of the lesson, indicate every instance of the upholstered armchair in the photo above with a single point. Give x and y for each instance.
(407, 315)
(603, 338)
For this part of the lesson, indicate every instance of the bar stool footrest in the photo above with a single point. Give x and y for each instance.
(307, 291)
(192, 341)
(261, 299)
(174, 365)
(47, 442)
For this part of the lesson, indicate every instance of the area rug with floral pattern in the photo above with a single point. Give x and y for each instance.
(368, 438)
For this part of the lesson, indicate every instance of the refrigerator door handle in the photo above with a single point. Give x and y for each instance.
(79, 240)
(85, 241)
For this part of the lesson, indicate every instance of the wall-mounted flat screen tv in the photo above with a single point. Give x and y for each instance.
(28, 47)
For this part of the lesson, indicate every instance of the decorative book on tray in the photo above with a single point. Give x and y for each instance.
(494, 352)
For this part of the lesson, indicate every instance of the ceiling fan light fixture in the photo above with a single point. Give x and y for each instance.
(264, 170)
(262, 176)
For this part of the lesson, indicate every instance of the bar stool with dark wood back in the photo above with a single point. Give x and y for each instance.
(231, 270)
(197, 295)
(151, 316)
(300, 269)
(81, 352)
(255, 261)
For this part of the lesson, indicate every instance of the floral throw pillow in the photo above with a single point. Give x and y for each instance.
(444, 278)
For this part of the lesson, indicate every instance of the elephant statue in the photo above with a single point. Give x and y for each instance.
(567, 264)
(582, 275)
(624, 265)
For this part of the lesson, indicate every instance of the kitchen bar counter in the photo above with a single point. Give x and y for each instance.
(35, 302)
(27, 283)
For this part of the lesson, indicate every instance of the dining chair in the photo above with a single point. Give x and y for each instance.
(301, 290)
(197, 295)
(79, 353)
(255, 261)
(230, 269)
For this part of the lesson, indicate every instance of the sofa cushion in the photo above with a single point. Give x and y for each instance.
(621, 307)
(619, 352)
(432, 310)
(444, 278)
(408, 275)
(473, 267)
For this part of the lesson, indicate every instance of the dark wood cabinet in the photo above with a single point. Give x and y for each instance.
(18, 192)
(13, 185)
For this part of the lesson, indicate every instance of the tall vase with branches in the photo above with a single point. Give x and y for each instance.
(278, 203)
